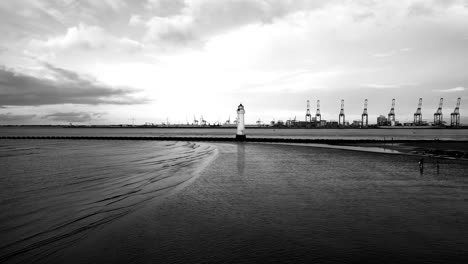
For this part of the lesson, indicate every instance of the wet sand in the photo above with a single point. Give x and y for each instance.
(293, 204)
(433, 149)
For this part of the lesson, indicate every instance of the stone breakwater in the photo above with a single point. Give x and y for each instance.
(233, 139)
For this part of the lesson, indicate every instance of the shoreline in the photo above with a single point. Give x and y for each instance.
(449, 149)
(370, 127)
(434, 149)
(270, 203)
(395, 149)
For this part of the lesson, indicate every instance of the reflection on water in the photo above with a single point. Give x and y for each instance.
(293, 204)
(240, 158)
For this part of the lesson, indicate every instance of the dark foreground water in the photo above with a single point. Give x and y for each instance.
(146, 202)
(55, 192)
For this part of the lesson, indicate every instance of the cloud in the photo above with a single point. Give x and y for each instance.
(199, 20)
(116, 5)
(384, 54)
(72, 116)
(135, 20)
(391, 53)
(452, 90)
(9, 117)
(84, 37)
(165, 7)
(59, 86)
(176, 30)
(382, 86)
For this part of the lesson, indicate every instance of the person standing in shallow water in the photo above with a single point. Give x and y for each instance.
(421, 165)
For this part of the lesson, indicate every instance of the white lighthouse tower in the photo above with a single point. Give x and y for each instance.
(240, 135)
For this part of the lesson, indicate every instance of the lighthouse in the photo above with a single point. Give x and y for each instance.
(240, 135)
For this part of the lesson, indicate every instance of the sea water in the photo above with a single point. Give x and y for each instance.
(55, 192)
(379, 134)
(269, 203)
(146, 201)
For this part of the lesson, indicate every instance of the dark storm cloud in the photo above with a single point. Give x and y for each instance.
(72, 116)
(65, 87)
(9, 117)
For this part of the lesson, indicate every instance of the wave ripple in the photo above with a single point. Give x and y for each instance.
(54, 192)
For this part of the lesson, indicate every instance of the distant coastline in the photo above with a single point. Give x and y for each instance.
(233, 127)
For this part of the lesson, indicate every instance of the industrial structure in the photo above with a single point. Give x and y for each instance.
(342, 115)
(382, 120)
(318, 116)
(438, 118)
(455, 116)
(418, 114)
(318, 122)
(308, 116)
(391, 114)
(364, 115)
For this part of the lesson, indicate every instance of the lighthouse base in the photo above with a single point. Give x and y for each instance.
(240, 137)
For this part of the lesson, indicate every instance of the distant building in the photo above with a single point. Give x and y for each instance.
(332, 124)
(382, 120)
(356, 123)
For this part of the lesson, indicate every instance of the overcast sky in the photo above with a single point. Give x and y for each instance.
(109, 61)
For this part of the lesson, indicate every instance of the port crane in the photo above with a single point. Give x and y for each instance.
(195, 121)
(318, 116)
(342, 115)
(365, 115)
(308, 116)
(259, 122)
(418, 114)
(202, 121)
(455, 116)
(438, 114)
(391, 114)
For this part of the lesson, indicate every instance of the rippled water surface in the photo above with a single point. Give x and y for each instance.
(81, 201)
(54, 192)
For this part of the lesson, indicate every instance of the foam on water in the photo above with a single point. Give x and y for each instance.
(54, 192)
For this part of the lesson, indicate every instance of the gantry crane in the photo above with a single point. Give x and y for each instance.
(364, 115)
(342, 115)
(455, 116)
(418, 114)
(202, 121)
(318, 116)
(438, 114)
(391, 114)
(308, 116)
(259, 122)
